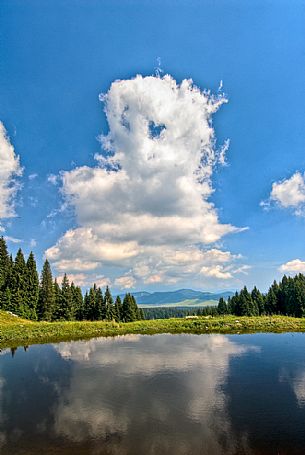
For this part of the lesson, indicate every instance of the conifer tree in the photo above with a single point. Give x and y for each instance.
(46, 304)
(258, 301)
(271, 299)
(137, 311)
(77, 301)
(4, 270)
(283, 295)
(86, 306)
(66, 307)
(230, 305)
(18, 286)
(118, 309)
(100, 307)
(108, 301)
(92, 312)
(6, 299)
(222, 306)
(300, 295)
(32, 287)
(129, 310)
(72, 290)
(57, 301)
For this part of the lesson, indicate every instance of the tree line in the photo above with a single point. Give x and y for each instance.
(179, 312)
(284, 298)
(44, 299)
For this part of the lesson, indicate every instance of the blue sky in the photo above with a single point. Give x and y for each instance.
(57, 57)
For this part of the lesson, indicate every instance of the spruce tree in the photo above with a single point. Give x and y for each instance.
(283, 295)
(300, 278)
(92, 313)
(32, 287)
(6, 299)
(108, 301)
(258, 301)
(77, 302)
(271, 299)
(46, 304)
(118, 309)
(18, 286)
(231, 305)
(245, 303)
(86, 306)
(129, 311)
(138, 312)
(57, 301)
(101, 308)
(4, 271)
(66, 307)
(222, 306)
(235, 304)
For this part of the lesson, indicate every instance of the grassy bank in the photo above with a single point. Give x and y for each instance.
(16, 331)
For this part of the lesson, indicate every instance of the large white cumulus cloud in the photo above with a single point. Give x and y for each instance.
(9, 169)
(147, 199)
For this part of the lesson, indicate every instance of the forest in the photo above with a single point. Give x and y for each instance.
(44, 299)
(179, 312)
(284, 298)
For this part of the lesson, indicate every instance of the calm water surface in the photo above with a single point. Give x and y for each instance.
(161, 394)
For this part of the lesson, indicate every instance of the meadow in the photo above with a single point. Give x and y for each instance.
(15, 331)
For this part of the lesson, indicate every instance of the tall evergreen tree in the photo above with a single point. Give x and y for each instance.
(18, 285)
(6, 300)
(222, 306)
(56, 315)
(66, 306)
(46, 303)
(271, 299)
(32, 287)
(86, 306)
(108, 300)
(92, 307)
(258, 301)
(129, 309)
(245, 303)
(118, 309)
(4, 271)
(100, 306)
(77, 302)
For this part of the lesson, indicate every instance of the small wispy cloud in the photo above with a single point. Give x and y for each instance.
(12, 239)
(53, 179)
(33, 243)
(33, 201)
(125, 282)
(62, 208)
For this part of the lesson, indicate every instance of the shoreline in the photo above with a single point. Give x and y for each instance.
(20, 332)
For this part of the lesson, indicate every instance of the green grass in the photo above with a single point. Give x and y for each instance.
(16, 331)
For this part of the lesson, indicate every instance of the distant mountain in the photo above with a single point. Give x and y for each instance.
(181, 297)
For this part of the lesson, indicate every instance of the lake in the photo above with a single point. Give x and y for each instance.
(161, 394)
